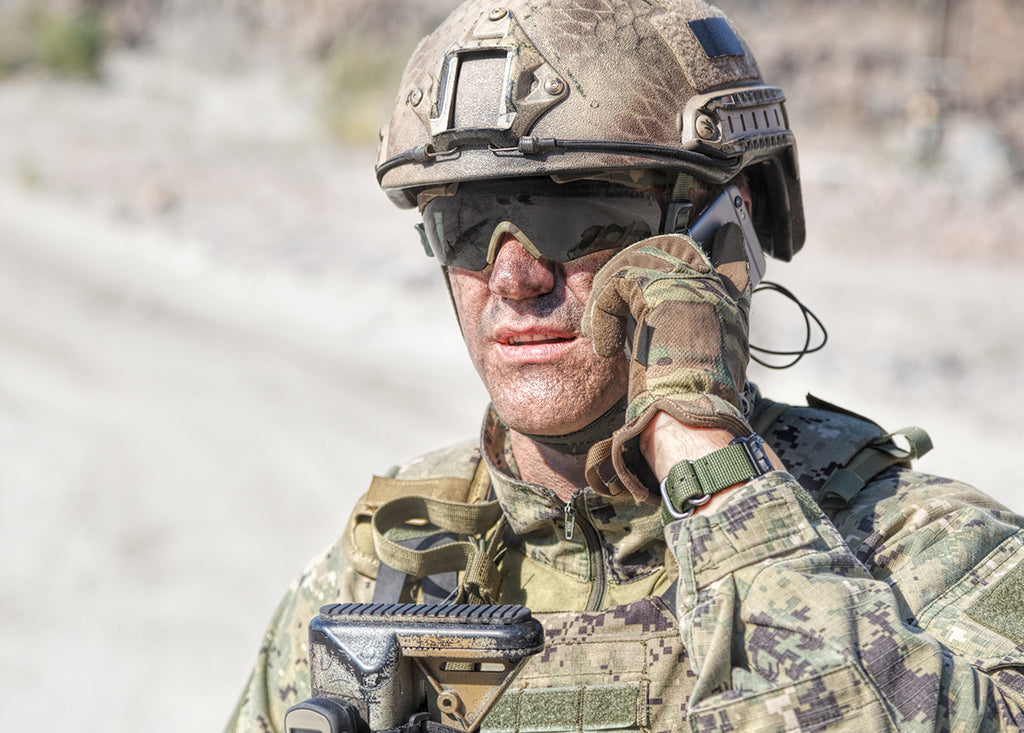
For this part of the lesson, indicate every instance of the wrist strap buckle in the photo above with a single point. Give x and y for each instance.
(691, 484)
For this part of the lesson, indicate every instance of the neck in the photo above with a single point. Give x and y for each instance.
(582, 440)
(563, 473)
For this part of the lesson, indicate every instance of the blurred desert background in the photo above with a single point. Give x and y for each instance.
(214, 328)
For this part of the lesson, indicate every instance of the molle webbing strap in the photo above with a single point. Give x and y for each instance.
(451, 488)
(474, 557)
(871, 450)
(358, 540)
(871, 460)
(455, 517)
(448, 488)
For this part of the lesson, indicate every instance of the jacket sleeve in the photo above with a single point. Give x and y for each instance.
(280, 676)
(788, 629)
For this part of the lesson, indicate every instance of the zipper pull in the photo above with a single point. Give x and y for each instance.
(570, 520)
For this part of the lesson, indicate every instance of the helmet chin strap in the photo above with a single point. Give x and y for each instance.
(580, 441)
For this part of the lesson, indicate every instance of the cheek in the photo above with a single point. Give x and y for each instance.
(579, 274)
(469, 291)
(580, 285)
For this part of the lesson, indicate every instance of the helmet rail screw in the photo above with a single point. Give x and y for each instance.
(706, 128)
(415, 97)
(498, 14)
(554, 86)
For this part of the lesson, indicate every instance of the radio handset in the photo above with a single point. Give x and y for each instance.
(729, 207)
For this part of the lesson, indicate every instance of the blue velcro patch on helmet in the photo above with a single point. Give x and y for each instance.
(716, 37)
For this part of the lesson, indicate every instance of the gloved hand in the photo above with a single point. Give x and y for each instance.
(687, 328)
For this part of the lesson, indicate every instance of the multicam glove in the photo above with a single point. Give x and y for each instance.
(685, 324)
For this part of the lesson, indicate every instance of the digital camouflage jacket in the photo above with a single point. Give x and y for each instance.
(899, 607)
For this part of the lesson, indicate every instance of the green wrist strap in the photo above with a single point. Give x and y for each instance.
(690, 484)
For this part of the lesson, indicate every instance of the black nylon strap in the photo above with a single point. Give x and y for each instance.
(391, 583)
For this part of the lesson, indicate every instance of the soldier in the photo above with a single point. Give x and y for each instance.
(598, 180)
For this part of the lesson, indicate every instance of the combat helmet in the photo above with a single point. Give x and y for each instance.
(573, 88)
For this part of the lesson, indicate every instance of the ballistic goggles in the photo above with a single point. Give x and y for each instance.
(464, 228)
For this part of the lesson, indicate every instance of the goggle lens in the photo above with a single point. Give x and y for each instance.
(557, 221)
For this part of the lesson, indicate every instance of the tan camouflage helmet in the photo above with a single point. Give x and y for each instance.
(577, 88)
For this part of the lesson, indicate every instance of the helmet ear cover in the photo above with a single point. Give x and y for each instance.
(778, 211)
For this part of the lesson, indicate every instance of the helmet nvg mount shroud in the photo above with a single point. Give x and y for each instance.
(571, 88)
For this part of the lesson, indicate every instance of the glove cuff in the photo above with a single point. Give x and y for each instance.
(617, 465)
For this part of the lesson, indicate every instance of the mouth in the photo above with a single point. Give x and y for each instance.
(536, 345)
(532, 339)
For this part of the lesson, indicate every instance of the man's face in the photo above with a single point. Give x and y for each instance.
(521, 319)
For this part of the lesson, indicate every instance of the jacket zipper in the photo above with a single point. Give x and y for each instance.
(576, 519)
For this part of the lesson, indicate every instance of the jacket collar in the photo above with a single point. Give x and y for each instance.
(630, 534)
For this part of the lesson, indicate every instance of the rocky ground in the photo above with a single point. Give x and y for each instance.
(214, 329)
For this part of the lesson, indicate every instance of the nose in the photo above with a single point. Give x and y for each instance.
(517, 274)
